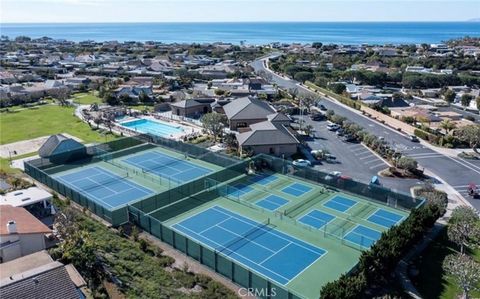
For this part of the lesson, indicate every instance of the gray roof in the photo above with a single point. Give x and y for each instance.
(53, 142)
(267, 133)
(49, 281)
(193, 103)
(248, 108)
(278, 117)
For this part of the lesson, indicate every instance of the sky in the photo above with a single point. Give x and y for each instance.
(79, 11)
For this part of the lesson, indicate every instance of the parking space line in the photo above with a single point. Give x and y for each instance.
(367, 157)
(378, 165)
(372, 161)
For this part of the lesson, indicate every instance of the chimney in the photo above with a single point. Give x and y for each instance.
(11, 227)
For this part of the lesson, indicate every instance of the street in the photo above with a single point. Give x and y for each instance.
(456, 172)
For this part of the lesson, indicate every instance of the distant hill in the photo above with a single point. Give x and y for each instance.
(474, 20)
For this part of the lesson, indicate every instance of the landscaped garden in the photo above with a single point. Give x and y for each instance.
(434, 279)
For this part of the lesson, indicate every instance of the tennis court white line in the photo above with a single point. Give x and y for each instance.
(273, 203)
(274, 253)
(99, 185)
(216, 224)
(236, 260)
(270, 232)
(378, 209)
(362, 235)
(245, 237)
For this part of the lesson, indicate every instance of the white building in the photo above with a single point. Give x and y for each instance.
(20, 233)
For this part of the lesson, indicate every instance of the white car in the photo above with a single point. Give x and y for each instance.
(333, 174)
(301, 163)
(333, 127)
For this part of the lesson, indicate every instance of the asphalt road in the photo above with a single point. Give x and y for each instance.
(454, 171)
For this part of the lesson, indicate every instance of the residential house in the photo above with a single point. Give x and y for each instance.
(20, 233)
(35, 200)
(38, 276)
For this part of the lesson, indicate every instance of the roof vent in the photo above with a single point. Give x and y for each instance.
(11, 227)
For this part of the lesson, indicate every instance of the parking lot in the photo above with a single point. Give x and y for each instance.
(354, 160)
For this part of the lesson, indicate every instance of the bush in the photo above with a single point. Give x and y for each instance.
(377, 263)
(421, 134)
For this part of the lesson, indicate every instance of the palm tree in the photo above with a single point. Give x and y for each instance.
(447, 125)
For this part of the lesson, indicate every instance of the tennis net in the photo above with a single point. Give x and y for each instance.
(104, 182)
(135, 172)
(235, 244)
(302, 204)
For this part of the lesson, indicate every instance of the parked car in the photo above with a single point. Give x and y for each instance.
(330, 157)
(348, 138)
(323, 108)
(317, 117)
(301, 163)
(333, 175)
(333, 127)
(340, 132)
(413, 138)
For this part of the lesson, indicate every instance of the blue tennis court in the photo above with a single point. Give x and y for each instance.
(296, 189)
(257, 246)
(263, 179)
(272, 202)
(104, 187)
(385, 218)
(166, 166)
(340, 203)
(316, 219)
(363, 236)
(237, 190)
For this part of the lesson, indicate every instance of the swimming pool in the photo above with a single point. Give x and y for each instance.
(153, 127)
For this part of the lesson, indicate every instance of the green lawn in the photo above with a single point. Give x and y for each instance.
(46, 120)
(432, 281)
(86, 98)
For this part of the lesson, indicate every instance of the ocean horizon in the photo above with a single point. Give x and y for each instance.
(255, 33)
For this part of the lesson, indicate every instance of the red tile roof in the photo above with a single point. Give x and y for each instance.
(26, 222)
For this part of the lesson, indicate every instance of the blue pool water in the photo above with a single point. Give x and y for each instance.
(152, 127)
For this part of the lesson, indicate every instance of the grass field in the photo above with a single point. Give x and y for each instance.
(432, 281)
(45, 120)
(86, 98)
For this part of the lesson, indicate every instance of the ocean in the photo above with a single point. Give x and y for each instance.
(252, 33)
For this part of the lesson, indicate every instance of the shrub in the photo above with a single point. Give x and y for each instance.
(377, 263)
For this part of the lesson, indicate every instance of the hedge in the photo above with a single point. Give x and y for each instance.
(380, 260)
(341, 99)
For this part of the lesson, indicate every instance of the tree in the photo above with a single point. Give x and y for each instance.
(477, 102)
(407, 163)
(447, 125)
(470, 134)
(463, 226)
(214, 123)
(293, 92)
(303, 76)
(61, 94)
(449, 96)
(77, 246)
(337, 88)
(465, 100)
(465, 271)
(317, 45)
